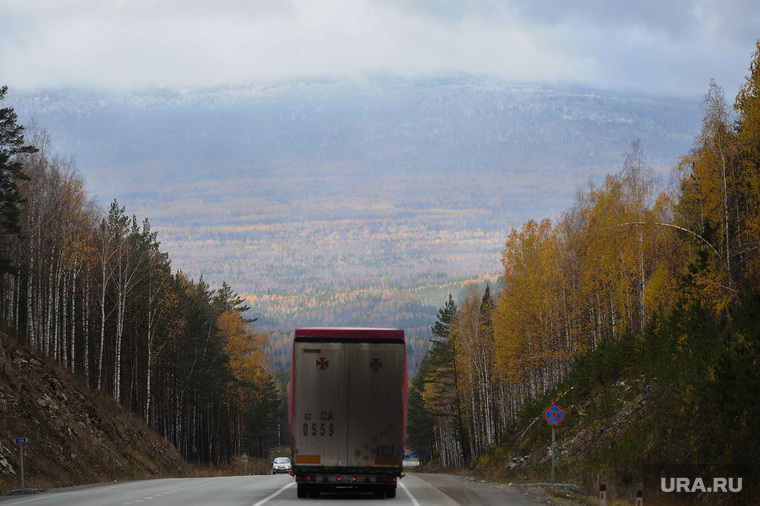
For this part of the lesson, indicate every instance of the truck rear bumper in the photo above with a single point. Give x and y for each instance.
(312, 484)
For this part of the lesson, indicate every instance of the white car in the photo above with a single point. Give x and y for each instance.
(281, 465)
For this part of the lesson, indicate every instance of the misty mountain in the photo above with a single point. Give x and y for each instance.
(434, 125)
(313, 189)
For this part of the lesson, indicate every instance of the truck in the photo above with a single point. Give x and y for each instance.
(347, 400)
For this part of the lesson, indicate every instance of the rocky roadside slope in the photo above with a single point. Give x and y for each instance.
(76, 436)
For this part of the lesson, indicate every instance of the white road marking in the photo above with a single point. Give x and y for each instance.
(263, 501)
(409, 494)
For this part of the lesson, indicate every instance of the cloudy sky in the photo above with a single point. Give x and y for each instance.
(656, 46)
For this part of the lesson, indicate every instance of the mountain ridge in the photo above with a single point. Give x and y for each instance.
(299, 187)
(483, 111)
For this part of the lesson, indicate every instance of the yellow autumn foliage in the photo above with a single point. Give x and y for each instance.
(246, 352)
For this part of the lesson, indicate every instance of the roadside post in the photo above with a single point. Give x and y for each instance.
(21, 441)
(245, 464)
(639, 498)
(602, 494)
(554, 415)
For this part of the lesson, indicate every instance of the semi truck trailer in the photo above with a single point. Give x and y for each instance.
(348, 409)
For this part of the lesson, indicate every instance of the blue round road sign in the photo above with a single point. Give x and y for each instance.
(554, 414)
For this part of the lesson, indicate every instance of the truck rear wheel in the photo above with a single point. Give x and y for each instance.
(391, 491)
(303, 491)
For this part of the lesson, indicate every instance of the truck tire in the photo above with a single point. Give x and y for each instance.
(303, 491)
(391, 491)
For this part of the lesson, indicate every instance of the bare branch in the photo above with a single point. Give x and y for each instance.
(669, 225)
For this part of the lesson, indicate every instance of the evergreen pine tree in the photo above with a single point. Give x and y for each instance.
(446, 315)
(420, 422)
(11, 171)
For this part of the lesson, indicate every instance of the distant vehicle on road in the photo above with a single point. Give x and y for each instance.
(348, 409)
(281, 465)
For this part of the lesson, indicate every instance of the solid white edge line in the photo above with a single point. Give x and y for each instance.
(263, 501)
(409, 494)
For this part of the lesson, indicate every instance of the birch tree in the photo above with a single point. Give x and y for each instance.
(473, 336)
(158, 304)
(129, 250)
(77, 249)
(104, 275)
(747, 205)
(708, 185)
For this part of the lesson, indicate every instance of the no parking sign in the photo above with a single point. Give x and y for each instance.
(554, 414)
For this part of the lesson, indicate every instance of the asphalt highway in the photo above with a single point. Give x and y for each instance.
(280, 490)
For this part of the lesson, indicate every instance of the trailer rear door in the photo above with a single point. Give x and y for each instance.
(375, 404)
(320, 405)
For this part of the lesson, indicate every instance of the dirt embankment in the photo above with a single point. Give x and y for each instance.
(75, 436)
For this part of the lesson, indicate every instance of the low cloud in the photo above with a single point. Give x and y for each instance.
(654, 46)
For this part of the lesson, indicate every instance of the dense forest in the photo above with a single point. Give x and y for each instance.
(665, 274)
(90, 289)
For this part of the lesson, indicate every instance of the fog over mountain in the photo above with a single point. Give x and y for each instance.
(304, 186)
(388, 124)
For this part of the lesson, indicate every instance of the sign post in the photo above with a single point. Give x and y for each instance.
(245, 464)
(554, 415)
(21, 441)
(552, 454)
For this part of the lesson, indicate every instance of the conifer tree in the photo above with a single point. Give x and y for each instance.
(420, 435)
(442, 327)
(11, 172)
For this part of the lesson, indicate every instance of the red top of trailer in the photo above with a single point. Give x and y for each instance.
(349, 333)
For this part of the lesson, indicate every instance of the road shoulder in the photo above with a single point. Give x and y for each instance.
(468, 490)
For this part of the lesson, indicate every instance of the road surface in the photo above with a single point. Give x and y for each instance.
(280, 490)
